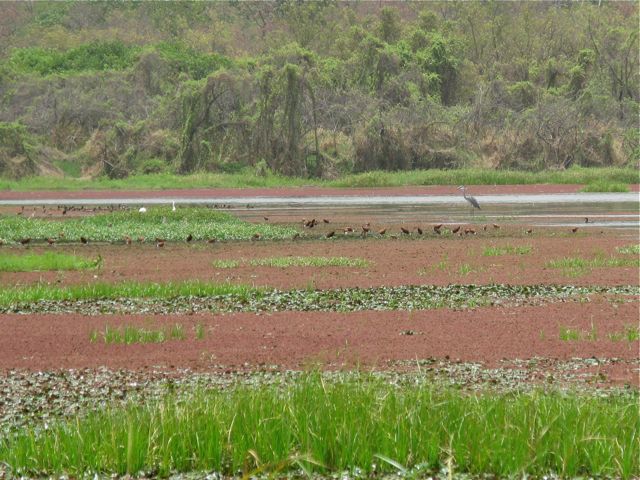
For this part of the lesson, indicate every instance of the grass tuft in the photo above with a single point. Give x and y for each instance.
(334, 426)
(605, 186)
(286, 262)
(507, 250)
(629, 249)
(226, 263)
(577, 266)
(631, 333)
(130, 334)
(32, 262)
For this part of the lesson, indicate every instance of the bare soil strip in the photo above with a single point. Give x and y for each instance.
(421, 260)
(296, 340)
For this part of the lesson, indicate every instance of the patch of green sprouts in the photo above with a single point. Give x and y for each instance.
(286, 262)
(131, 334)
(629, 249)
(577, 266)
(34, 262)
(507, 250)
(631, 333)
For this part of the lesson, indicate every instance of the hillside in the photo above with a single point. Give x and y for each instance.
(316, 89)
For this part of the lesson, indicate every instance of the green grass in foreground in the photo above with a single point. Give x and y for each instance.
(332, 426)
(44, 262)
(157, 222)
(112, 291)
(506, 250)
(576, 266)
(285, 262)
(249, 179)
(130, 334)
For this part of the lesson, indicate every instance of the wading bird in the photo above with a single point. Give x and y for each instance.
(173, 206)
(142, 210)
(474, 203)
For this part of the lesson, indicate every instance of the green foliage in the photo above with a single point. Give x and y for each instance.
(94, 56)
(153, 166)
(332, 426)
(184, 59)
(17, 150)
(390, 27)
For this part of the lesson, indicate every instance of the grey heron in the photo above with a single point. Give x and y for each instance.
(474, 203)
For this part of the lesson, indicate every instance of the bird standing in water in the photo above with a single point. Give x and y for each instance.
(474, 203)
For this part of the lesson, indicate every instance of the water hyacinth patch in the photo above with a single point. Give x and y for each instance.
(157, 222)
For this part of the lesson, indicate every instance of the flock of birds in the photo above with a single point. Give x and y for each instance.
(365, 229)
(438, 229)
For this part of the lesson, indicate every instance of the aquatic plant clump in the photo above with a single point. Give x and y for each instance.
(201, 296)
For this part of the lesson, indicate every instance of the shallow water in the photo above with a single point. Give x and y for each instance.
(610, 210)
